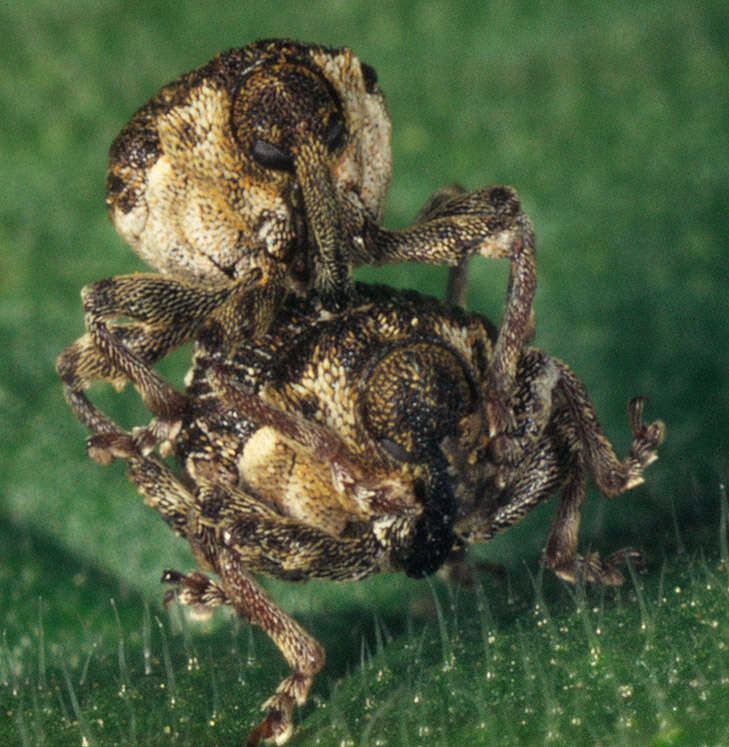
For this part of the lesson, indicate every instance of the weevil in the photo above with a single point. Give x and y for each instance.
(341, 445)
(260, 174)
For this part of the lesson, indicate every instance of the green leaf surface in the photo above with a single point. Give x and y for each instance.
(612, 122)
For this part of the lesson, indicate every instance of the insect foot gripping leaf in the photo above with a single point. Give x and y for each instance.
(261, 173)
(340, 445)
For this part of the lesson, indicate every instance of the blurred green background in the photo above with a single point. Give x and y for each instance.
(612, 122)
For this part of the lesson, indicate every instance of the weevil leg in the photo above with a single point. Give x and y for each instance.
(457, 274)
(457, 286)
(162, 490)
(165, 314)
(225, 529)
(560, 552)
(612, 475)
(571, 447)
(304, 655)
(538, 477)
(592, 452)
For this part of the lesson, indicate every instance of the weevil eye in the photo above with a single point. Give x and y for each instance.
(396, 451)
(271, 157)
(335, 136)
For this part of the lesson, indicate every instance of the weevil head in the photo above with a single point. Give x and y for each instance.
(272, 154)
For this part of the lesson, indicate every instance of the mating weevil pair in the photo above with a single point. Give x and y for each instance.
(327, 429)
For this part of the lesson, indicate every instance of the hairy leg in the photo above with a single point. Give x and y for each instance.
(457, 274)
(304, 655)
(612, 475)
(538, 477)
(165, 313)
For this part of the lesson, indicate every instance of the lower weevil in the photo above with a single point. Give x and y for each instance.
(338, 446)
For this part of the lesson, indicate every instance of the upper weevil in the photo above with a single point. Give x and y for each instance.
(261, 173)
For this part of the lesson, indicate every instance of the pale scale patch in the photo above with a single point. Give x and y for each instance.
(258, 452)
